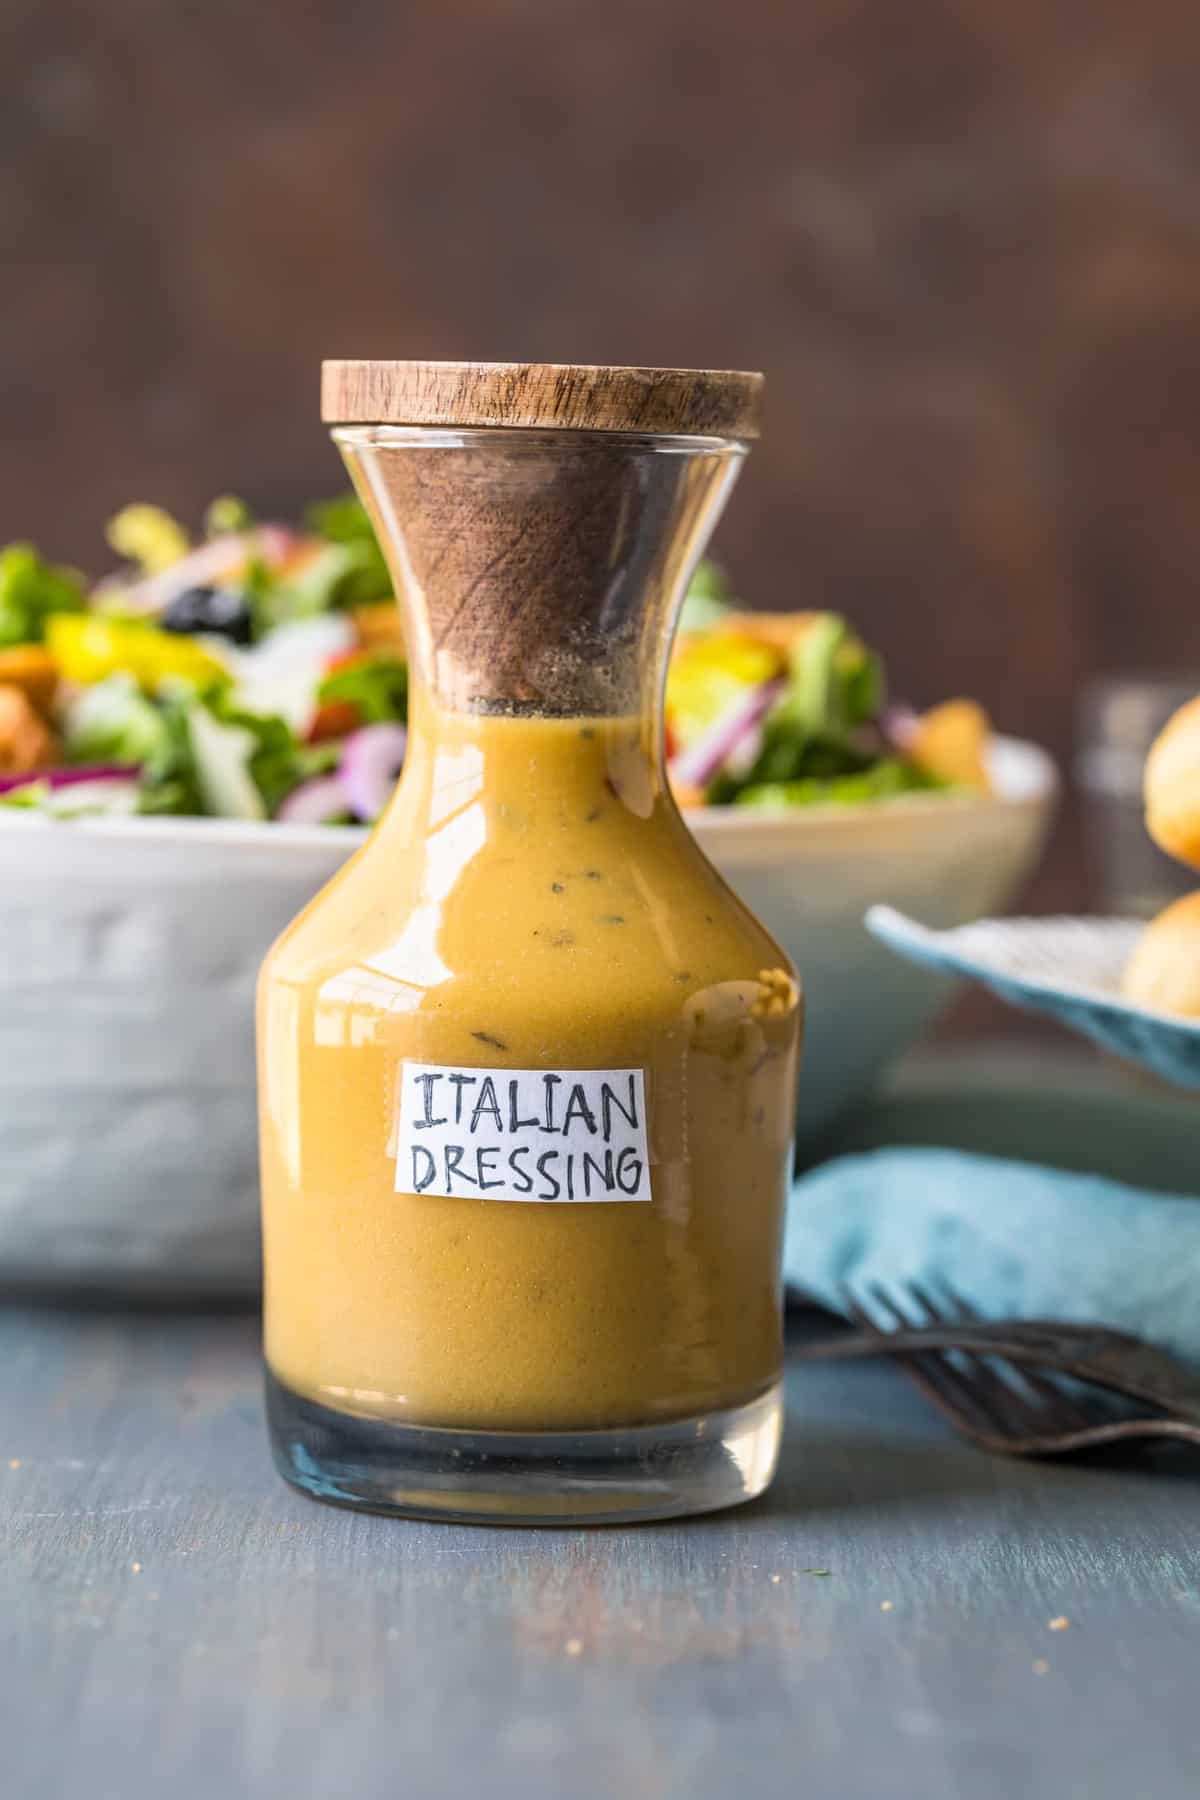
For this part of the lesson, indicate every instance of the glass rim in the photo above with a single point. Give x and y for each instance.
(528, 437)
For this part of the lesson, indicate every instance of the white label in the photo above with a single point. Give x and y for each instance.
(523, 1134)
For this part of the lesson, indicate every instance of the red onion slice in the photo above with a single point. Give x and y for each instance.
(899, 725)
(696, 766)
(371, 760)
(320, 801)
(70, 776)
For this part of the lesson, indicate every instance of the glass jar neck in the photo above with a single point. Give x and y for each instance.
(545, 770)
(539, 573)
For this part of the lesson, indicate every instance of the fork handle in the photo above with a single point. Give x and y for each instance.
(849, 1345)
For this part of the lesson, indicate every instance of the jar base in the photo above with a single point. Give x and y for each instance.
(610, 1477)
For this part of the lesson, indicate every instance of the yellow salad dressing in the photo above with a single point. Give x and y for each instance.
(531, 902)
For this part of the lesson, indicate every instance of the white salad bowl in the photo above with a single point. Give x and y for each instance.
(129, 950)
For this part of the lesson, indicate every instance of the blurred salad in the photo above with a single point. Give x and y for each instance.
(260, 673)
(790, 709)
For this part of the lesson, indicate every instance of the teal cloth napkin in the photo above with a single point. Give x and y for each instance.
(1013, 1239)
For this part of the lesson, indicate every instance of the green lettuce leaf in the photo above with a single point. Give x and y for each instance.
(813, 732)
(345, 576)
(358, 575)
(101, 798)
(709, 595)
(246, 763)
(30, 590)
(377, 686)
(834, 682)
(227, 514)
(882, 781)
(114, 722)
(170, 782)
(343, 520)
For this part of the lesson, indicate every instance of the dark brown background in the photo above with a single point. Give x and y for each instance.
(962, 239)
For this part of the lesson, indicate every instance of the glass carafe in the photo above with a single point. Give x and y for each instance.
(527, 1065)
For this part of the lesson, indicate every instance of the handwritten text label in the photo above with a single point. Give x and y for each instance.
(523, 1134)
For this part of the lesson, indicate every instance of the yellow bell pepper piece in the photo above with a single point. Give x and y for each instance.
(149, 536)
(711, 670)
(88, 649)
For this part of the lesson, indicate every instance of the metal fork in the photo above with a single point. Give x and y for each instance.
(991, 1378)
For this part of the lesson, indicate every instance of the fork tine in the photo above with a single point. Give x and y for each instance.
(856, 1312)
(1005, 1405)
(891, 1308)
(1001, 1403)
(1043, 1404)
(933, 1315)
(1010, 1408)
(957, 1304)
(1026, 1401)
(1053, 1409)
(944, 1384)
(1056, 1409)
(1012, 1412)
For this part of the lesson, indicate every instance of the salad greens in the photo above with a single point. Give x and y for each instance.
(114, 722)
(260, 673)
(232, 752)
(30, 591)
(708, 597)
(225, 515)
(816, 745)
(785, 710)
(213, 679)
(884, 780)
(169, 778)
(361, 577)
(835, 682)
(376, 685)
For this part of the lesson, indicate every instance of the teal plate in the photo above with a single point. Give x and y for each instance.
(1069, 969)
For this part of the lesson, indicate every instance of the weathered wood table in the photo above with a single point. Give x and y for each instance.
(900, 1619)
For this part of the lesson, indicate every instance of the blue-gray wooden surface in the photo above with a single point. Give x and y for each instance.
(174, 1622)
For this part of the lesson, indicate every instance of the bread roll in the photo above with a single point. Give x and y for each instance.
(1172, 786)
(1163, 974)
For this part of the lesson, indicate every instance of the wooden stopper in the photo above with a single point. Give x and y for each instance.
(535, 563)
(544, 397)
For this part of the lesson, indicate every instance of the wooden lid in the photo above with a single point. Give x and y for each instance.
(543, 396)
